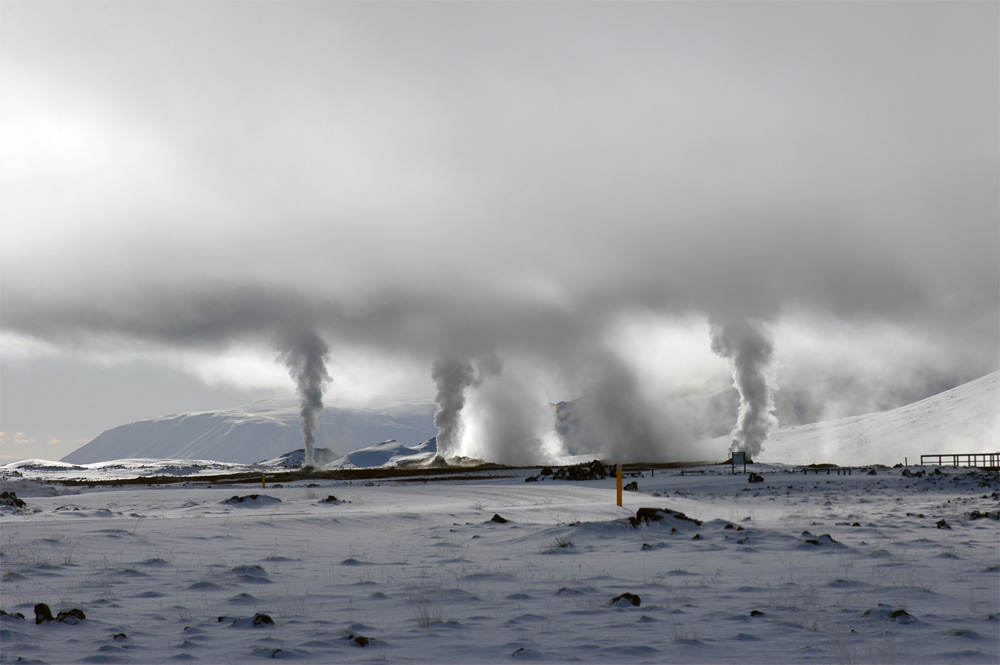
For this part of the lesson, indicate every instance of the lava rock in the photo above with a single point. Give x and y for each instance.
(10, 500)
(499, 520)
(650, 515)
(626, 600)
(755, 478)
(631, 487)
(43, 613)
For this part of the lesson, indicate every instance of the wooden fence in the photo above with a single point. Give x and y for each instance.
(981, 460)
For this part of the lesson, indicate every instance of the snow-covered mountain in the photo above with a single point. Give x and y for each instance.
(258, 431)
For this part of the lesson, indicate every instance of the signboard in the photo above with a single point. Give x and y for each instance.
(740, 458)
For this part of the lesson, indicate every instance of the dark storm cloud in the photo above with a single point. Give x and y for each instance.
(449, 180)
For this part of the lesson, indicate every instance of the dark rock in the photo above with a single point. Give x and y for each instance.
(756, 613)
(825, 539)
(43, 613)
(252, 497)
(587, 471)
(626, 599)
(330, 499)
(531, 479)
(631, 487)
(755, 478)
(546, 471)
(71, 617)
(261, 619)
(358, 640)
(12, 615)
(10, 500)
(650, 515)
(941, 524)
(119, 636)
(499, 520)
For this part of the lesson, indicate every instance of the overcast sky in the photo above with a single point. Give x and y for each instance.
(185, 182)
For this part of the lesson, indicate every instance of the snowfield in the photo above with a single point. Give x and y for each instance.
(897, 566)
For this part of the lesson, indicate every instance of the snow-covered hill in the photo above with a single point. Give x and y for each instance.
(258, 431)
(387, 453)
(965, 419)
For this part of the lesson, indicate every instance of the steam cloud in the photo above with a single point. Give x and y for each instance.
(828, 227)
(747, 345)
(452, 377)
(304, 355)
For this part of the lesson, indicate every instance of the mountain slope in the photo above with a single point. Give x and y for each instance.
(262, 430)
(965, 419)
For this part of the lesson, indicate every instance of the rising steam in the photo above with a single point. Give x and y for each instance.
(304, 354)
(747, 345)
(453, 376)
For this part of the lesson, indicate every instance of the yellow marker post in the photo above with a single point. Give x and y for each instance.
(263, 481)
(619, 484)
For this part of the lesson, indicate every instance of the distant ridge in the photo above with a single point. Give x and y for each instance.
(262, 430)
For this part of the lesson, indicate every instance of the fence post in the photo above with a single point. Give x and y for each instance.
(619, 476)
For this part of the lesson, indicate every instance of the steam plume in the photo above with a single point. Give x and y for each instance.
(747, 344)
(304, 355)
(452, 377)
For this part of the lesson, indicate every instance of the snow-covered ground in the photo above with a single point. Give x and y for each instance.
(798, 568)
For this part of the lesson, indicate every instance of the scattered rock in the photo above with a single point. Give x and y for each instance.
(587, 471)
(825, 539)
(10, 500)
(358, 640)
(12, 615)
(941, 524)
(43, 613)
(631, 487)
(626, 600)
(531, 479)
(119, 636)
(755, 478)
(259, 499)
(650, 515)
(330, 499)
(888, 614)
(258, 620)
(499, 520)
(72, 617)
(756, 613)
